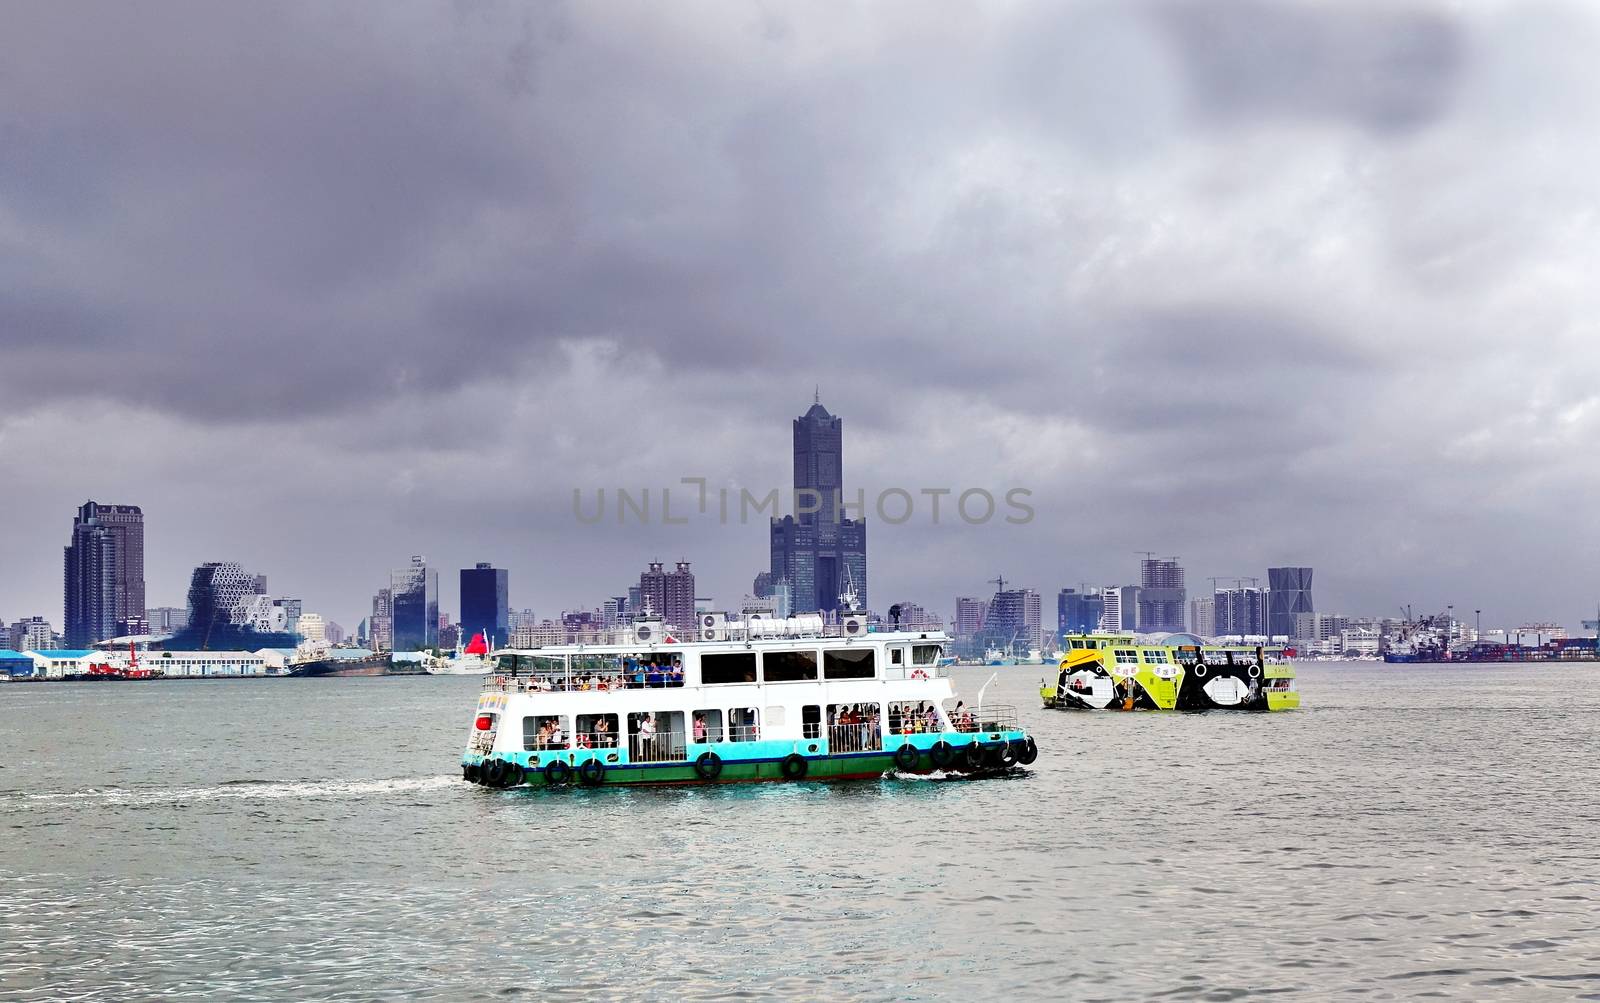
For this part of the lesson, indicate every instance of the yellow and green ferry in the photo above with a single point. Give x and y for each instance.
(1175, 672)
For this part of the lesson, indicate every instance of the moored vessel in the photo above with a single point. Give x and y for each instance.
(1122, 672)
(765, 700)
(340, 662)
(473, 660)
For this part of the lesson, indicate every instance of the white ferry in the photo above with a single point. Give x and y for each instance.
(761, 699)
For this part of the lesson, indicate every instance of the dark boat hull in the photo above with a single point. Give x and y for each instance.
(372, 665)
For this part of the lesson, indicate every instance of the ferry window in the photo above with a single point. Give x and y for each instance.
(1127, 656)
(596, 731)
(811, 721)
(743, 724)
(897, 656)
(848, 663)
(925, 654)
(788, 666)
(912, 717)
(542, 732)
(854, 727)
(738, 667)
(705, 726)
(656, 737)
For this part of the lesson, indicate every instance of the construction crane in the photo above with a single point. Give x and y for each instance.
(999, 583)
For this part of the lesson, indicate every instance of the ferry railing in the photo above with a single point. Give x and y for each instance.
(863, 737)
(989, 717)
(595, 740)
(916, 672)
(561, 684)
(661, 747)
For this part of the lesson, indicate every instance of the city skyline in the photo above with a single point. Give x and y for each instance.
(1289, 317)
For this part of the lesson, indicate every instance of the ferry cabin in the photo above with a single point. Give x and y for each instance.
(824, 707)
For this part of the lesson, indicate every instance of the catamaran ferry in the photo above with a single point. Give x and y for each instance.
(1177, 672)
(762, 699)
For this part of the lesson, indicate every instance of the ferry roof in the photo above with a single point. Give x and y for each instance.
(740, 643)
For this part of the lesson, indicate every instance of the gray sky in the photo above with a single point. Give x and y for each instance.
(1251, 283)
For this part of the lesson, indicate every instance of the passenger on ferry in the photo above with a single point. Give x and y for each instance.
(699, 727)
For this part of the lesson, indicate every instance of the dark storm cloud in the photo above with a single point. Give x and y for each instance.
(433, 266)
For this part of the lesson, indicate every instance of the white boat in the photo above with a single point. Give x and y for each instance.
(473, 660)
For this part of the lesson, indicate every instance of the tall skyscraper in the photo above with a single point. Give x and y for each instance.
(816, 550)
(1289, 596)
(380, 625)
(1014, 619)
(669, 594)
(414, 599)
(970, 612)
(1239, 611)
(486, 603)
(1203, 616)
(1111, 610)
(1078, 612)
(103, 565)
(1161, 595)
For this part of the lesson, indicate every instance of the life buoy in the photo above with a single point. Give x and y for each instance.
(794, 766)
(494, 772)
(592, 773)
(556, 773)
(1254, 670)
(906, 757)
(708, 766)
(1200, 670)
(942, 754)
(919, 674)
(975, 756)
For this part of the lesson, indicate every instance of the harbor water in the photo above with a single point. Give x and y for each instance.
(1414, 830)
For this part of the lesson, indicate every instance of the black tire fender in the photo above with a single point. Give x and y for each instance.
(556, 773)
(592, 773)
(942, 754)
(906, 757)
(708, 766)
(975, 756)
(794, 766)
(1028, 753)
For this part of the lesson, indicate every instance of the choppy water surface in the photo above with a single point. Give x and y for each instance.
(1415, 831)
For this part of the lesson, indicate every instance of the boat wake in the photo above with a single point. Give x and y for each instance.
(231, 790)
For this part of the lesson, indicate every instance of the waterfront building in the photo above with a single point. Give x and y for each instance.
(970, 614)
(1289, 595)
(1317, 626)
(14, 663)
(669, 594)
(815, 549)
(312, 627)
(32, 634)
(166, 619)
(1111, 610)
(206, 663)
(333, 633)
(1361, 640)
(761, 588)
(1078, 612)
(1014, 619)
(226, 611)
(55, 663)
(523, 625)
(486, 602)
(1240, 612)
(1203, 616)
(1161, 595)
(103, 565)
(380, 625)
(414, 606)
